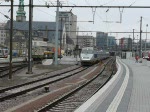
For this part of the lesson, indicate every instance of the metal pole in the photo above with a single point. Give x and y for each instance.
(77, 36)
(77, 46)
(128, 45)
(61, 37)
(146, 37)
(11, 36)
(140, 52)
(137, 44)
(133, 43)
(56, 34)
(30, 38)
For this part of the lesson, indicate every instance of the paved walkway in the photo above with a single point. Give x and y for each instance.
(69, 60)
(140, 96)
(127, 91)
(5, 60)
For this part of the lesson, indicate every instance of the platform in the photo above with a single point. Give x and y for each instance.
(6, 60)
(69, 60)
(127, 91)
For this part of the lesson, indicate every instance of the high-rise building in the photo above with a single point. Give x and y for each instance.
(101, 40)
(70, 21)
(2, 33)
(111, 42)
(125, 43)
(86, 41)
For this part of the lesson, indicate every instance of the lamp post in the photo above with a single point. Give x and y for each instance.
(137, 45)
(140, 50)
(146, 37)
(133, 43)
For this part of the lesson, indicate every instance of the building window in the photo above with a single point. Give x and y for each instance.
(34, 43)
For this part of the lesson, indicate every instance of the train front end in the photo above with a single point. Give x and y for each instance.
(87, 56)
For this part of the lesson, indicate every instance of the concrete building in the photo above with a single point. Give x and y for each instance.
(111, 43)
(19, 44)
(101, 40)
(2, 34)
(125, 44)
(86, 41)
(70, 21)
(42, 30)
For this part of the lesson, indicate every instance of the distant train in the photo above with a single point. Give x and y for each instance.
(40, 53)
(3, 53)
(90, 55)
(146, 55)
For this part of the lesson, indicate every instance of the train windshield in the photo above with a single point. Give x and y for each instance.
(87, 51)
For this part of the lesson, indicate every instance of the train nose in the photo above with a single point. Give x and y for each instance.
(85, 57)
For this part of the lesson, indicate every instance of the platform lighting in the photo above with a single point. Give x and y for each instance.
(137, 44)
(146, 37)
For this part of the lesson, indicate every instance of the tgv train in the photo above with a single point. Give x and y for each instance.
(90, 55)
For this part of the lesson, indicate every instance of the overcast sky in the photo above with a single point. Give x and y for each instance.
(130, 17)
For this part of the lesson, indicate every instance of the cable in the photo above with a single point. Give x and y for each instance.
(5, 16)
(45, 12)
(93, 11)
(106, 2)
(133, 3)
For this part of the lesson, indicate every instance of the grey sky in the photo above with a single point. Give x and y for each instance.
(130, 17)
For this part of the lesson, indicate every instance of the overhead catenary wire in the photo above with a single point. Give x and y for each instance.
(83, 6)
(34, 29)
(121, 12)
(95, 14)
(93, 11)
(133, 3)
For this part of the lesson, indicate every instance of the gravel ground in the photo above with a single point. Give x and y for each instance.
(39, 71)
(26, 97)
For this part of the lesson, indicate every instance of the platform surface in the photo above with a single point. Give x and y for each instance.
(127, 91)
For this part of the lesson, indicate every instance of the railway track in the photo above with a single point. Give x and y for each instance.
(11, 92)
(4, 71)
(13, 96)
(74, 98)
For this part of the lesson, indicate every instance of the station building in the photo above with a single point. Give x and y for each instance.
(2, 34)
